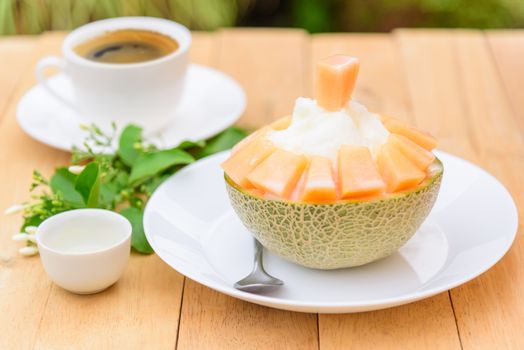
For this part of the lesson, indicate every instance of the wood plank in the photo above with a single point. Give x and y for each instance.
(271, 66)
(490, 311)
(406, 327)
(211, 320)
(24, 288)
(507, 48)
(141, 311)
(15, 53)
(483, 127)
(430, 66)
(427, 324)
(204, 48)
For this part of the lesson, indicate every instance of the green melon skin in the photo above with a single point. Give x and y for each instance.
(341, 234)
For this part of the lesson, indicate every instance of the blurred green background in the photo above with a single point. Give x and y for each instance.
(35, 16)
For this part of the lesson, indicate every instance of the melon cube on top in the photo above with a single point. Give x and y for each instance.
(336, 77)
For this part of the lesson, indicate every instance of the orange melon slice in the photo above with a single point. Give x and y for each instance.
(420, 137)
(357, 173)
(319, 184)
(419, 156)
(397, 170)
(385, 118)
(278, 173)
(241, 163)
(251, 137)
(281, 124)
(336, 77)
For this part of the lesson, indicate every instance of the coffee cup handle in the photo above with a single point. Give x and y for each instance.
(42, 65)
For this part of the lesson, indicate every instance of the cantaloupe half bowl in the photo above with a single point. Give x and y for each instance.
(327, 213)
(335, 235)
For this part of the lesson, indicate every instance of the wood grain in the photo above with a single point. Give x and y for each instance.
(483, 128)
(211, 320)
(139, 312)
(382, 86)
(24, 287)
(507, 49)
(271, 65)
(272, 69)
(489, 311)
(15, 53)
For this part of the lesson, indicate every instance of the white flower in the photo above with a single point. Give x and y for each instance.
(20, 237)
(31, 229)
(76, 169)
(14, 209)
(28, 251)
(23, 237)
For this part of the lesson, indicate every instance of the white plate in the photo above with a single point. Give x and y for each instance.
(192, 227)
(211, 102)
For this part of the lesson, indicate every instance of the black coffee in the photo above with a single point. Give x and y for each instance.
(127, 46)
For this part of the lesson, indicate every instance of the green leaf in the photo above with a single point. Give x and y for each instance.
(33, 220)
(131, 135)
(138, 238)
(110, 190)
(63, 183)
(223, 141)
(152, 184)
(88, 185)
(108, 194)
(151, 164)
(191, 144)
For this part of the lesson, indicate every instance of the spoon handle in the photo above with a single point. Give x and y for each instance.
(259, 249)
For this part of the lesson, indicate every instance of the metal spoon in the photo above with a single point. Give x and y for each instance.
(258, 280)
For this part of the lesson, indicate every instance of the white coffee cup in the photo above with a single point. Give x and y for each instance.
(145, 93)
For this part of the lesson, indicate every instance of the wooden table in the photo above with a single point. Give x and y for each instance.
(465, 86)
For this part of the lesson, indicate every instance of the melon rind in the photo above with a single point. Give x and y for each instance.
(340, 234)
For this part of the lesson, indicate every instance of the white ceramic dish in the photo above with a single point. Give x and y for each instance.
(85, 250)
(211, 102)
(191, 226)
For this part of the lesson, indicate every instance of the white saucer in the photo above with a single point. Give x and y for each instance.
(211, 102)
(192, 227)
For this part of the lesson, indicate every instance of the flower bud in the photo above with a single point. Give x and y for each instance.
(20, 237)
(76, 169)
(14, 209)
(28, 251)
(31, 229)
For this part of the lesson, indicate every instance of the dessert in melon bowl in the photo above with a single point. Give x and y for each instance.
(333, 185)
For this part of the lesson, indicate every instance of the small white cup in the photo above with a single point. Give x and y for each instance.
(145, 93)
(85, 250)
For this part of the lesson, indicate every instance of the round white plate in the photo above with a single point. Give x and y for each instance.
(192, 227)
(211, 102)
